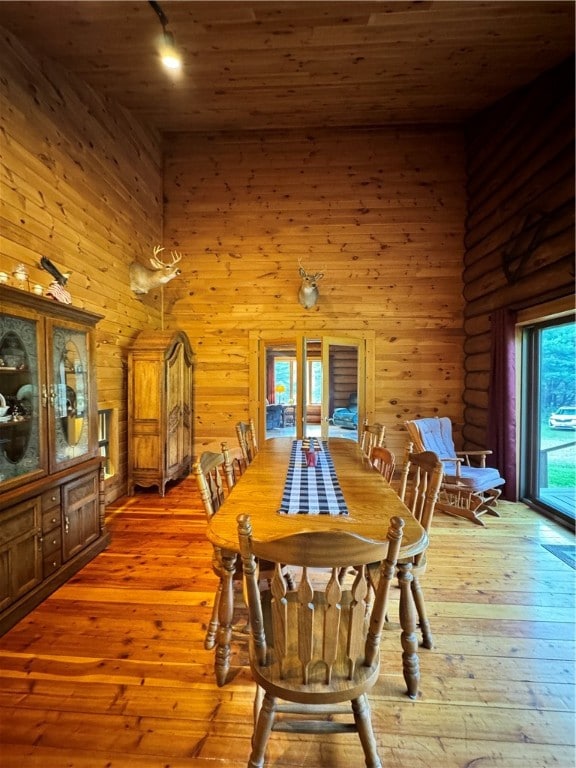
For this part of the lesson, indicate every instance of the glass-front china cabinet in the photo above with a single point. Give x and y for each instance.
(51, 478)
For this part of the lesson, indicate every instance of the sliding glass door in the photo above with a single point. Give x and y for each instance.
(548, 426)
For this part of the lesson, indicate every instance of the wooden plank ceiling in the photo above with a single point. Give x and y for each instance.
(261, 65)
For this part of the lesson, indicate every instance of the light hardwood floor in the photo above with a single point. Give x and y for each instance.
(110, 671)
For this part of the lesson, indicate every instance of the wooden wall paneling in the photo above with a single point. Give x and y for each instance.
(513, 117)
(379, 211)
(81, 184)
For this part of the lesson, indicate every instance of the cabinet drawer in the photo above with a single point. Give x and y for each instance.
(18, 521)
(51, 542)
(51, 519)
(51, 499)
(51, 563)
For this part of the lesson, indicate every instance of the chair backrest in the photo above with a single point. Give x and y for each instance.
(215, 477)
(371, 435)
(247, 440)
(433, 434)
(321, 636)
(420, 484)
(384, 461)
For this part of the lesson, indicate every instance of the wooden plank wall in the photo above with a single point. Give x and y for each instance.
(380, 212)
(81, 183)
(520, 223)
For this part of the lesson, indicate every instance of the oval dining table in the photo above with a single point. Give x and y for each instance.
(371, 502)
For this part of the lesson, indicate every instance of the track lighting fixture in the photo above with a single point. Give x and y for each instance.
(169, 53)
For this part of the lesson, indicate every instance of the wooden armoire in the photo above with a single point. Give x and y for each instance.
(159, 409)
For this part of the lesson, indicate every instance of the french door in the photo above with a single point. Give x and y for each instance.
(301, 379)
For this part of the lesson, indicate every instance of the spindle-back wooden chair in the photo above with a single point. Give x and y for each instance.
(248, 442)
(371, 435)
(383, 461)
(419, 487)
(315, 648)
(215, 477)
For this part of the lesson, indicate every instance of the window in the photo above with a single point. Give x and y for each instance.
(285, 381)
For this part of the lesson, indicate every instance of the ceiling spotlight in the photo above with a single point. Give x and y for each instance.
(169, 53)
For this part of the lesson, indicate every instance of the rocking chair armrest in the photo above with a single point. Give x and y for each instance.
(457, 460)
(481, 454)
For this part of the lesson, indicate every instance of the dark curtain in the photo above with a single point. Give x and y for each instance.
(501, 432)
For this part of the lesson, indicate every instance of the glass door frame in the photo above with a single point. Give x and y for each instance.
(530, 323)
(342, 341)
(260, 340)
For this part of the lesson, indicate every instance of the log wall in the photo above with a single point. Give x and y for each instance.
(380, 212)
(520, 222)
(81, 183)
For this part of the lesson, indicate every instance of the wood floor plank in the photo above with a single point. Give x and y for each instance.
(111, 672)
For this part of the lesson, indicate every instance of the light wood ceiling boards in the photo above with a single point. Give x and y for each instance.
(258, 65)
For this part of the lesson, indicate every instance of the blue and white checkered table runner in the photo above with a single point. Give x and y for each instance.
(312, 490)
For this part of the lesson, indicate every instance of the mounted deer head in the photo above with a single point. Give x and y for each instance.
(308, 293)
(143, 279)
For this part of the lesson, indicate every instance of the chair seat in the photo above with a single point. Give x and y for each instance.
(477, 479)
(340, 689)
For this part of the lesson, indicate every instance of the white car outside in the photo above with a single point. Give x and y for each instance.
(563, 418)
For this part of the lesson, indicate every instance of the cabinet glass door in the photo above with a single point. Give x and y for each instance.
(69, 396)
(21, 373)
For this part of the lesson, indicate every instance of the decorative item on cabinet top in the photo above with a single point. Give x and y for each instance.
(57, 289)
(160, 409)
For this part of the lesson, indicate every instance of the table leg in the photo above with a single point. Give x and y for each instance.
(409, 639)
(225, 616)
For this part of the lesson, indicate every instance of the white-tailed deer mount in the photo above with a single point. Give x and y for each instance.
(308, 293)
(143, 279)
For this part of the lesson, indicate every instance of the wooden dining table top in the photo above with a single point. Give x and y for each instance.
(370, 499)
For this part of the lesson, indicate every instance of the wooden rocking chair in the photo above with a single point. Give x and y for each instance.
(467, 490)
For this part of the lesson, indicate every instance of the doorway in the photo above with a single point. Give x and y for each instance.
(311, 385)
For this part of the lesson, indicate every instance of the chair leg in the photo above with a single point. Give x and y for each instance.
(408, 637)
(262, 730)
(361, 710)
(490, 502)
(210, 639)
(419, 602)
